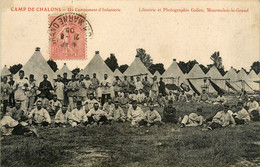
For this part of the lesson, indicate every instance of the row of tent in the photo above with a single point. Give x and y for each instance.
(213, 81)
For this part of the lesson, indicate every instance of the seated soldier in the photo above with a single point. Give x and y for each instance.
(161, 100)
(241, 116)
(97, 116)
(121, 93)
(73, 104)
(141, 98)
(171, 96)
(89, 103)
(78, 115)
(10, 126)
(134, 95)
(222, 119)
(152, 117)
(18, 114)
(19, 119)
(116, 114)
(204, 98)
(169, 113)
(253, 109)
(124, 101)
(252, 105)
(39, 116)
(62, 116)
(194, 119)
(108, 106)
(194, 97)
(183, 97)
(55, 105)
(45, 102)
(220, 99)
(135, 115)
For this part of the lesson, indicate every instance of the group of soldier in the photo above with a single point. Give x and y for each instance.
(85, 101)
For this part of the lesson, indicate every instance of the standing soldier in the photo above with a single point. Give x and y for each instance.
(5, 92)
(11, 96)
(106, 89)
(95, 84)
(82, 93)
(72, 88)
(89, 85)
(125, 85)
(162, 87)
(138, 83)
(32, 93)
(154, 89)
(20, 88)
(45, 87)
(132, 85)
(59, 90)
(147, 86)
(117, 86)
(65, 81)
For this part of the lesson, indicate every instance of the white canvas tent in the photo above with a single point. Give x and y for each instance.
(175, 72)
(243, 80)
(63, 70)
(157, 74)
(137, 68)
(196, 77)
(252, 76)
(215, 76)
(232, 77)
(37, 66)
(117, 73)
(5, 71)
(98, 66)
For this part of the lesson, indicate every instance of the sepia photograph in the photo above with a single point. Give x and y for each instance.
(130, 83)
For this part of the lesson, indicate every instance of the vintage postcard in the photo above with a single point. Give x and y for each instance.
(130, 83)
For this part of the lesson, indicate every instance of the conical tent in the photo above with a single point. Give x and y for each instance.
(243, 80)
(231, 74)
(98, 66)
(175, 72)
(63, 70)
(252, 76)
(196, 76)
(5, 71)
(232, 77)
(37, 66)
(137, 68)
(217, 78)
(242, 75)
(157, 74)
(117, 73)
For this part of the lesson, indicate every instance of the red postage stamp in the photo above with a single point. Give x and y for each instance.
(68, 36)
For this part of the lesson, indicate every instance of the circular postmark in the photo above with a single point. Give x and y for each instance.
(68, 35)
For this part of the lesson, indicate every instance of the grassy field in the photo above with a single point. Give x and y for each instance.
(122, 145)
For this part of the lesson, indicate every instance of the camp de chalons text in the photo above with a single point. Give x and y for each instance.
(52, 9)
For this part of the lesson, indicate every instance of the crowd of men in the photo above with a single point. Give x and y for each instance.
(86, 101)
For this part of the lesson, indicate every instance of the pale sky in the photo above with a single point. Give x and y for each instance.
(165, 36)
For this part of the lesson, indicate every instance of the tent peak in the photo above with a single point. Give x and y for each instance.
(174, 60)
(96, 52)
(37, 49)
